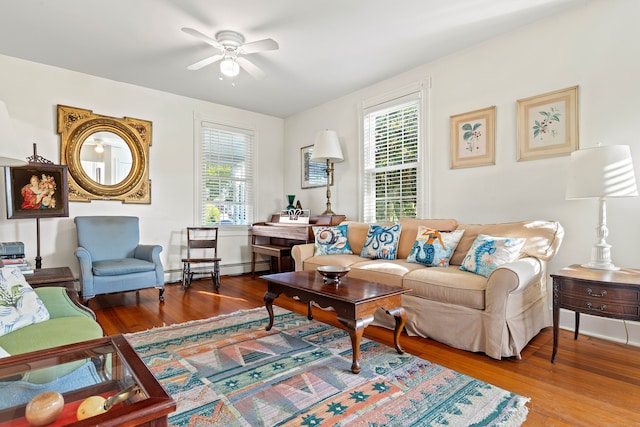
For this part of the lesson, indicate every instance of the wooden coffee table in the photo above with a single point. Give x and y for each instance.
(354, 301)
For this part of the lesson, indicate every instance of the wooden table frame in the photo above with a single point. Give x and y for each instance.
(355, 301)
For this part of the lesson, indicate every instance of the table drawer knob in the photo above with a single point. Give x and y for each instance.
(590, 306)
(603, 293)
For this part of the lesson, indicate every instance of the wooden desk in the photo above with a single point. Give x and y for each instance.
(56, 276)
(275, 240)
(604, 293)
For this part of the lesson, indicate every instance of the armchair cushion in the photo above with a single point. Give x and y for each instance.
(113, 267)
(20, 306)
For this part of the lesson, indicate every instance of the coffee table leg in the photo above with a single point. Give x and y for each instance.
(355, 329)
(401, 317)
(268, 302)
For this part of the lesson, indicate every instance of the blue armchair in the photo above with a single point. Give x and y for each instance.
(112, 260)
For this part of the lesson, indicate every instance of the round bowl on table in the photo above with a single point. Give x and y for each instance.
(332, 273)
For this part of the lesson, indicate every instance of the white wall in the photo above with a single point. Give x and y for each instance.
(593, 46)
(32, 91)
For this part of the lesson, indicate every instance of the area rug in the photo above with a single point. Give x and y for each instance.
(229, 371)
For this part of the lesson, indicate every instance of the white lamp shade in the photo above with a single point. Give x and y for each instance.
(7, 137)
(327, 147)
(603, 171)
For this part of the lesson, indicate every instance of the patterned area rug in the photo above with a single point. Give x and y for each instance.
(229, 371)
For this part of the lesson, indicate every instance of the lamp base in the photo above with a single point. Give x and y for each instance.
(601, 266)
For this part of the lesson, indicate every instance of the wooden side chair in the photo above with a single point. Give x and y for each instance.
(202, 255)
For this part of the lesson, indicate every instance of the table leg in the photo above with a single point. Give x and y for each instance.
(268, 302)
(556, 319)
(309, 312)
(355, 329)
(575, 332)
(216, 272)
(401, 317)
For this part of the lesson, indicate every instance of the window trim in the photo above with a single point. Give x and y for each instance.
(419, 89)
(198, 123)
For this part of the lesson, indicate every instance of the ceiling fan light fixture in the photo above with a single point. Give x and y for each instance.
(229, 67)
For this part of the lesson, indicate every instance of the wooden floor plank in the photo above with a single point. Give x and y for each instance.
(592, 382)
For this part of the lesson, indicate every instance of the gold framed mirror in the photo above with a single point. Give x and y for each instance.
(107, 157)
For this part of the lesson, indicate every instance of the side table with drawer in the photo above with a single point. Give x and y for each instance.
(606, 293)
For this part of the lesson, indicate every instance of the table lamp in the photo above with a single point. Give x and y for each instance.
(327, 148)
(601, 172)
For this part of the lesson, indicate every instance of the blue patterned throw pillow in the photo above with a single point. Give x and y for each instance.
(433, 247)
(488, 253)
(332, 240)
(381, 241)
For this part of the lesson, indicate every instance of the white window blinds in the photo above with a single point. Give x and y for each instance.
(226, 175)
(391, 158)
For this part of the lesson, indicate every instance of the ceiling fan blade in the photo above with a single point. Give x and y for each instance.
(251, 68)
(197, 34)
(259, 46)
(204, 62)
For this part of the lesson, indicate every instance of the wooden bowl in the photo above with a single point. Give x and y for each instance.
(332, 273)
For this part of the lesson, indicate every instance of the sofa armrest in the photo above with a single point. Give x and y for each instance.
(509, 278)
(302, 252)
(60, 303)
(152, 253)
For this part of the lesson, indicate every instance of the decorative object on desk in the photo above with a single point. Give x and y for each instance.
(108, 158)
(601, 172)
(298, 205)
(331, 274)
(295, 216)
(37, 190)
(548, 124)
(290, 198)
(473, 138)
(327, 148)
(313, 173)
(44, 408)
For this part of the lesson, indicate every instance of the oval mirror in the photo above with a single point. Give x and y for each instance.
(107, 157)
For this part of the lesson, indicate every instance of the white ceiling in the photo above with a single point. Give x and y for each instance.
(328, 48)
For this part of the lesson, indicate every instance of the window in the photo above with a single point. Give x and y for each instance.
(391, 172)
(225, 169)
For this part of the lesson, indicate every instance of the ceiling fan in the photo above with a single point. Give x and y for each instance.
(232, 50)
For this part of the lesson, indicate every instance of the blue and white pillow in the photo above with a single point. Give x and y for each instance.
(381, 241)
(488, 253)
(20, 306)
(331, 240)
(434, 248)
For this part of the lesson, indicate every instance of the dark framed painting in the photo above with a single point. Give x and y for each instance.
(38, 190)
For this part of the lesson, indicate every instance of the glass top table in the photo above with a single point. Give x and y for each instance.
(103, 369)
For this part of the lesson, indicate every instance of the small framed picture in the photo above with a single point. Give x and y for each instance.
(38, 190)
(548, 124)
(473, 138)
(314, 174)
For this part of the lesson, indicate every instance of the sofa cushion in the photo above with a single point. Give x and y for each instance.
(331, 240)
(433, 247)
(20, 306)
(387, 271)
(342, 260)
(381, 242)
(113, 267)
(410, 230)
(488, 253)
(448, 285)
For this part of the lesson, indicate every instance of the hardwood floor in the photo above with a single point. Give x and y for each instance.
(593, 382)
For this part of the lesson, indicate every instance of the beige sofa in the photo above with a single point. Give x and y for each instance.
(497, 315)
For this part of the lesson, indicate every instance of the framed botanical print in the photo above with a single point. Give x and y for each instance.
(38, 190)
(473, 138)
(548, 124)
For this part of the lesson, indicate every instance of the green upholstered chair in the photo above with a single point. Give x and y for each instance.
(68, 323)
